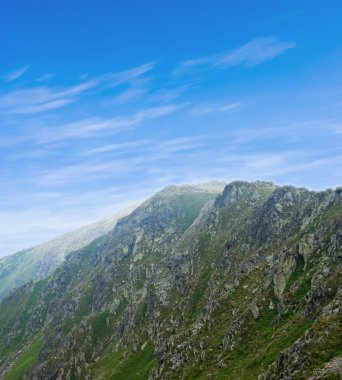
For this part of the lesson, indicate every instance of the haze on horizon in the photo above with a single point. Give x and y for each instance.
(102, 104)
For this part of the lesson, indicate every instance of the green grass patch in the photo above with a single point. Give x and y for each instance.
(326, 341)
(118, 366)
(99, 325)
(25, 361)
(191, 204)
(197, 299)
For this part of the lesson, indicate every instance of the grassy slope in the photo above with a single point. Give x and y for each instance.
(25, 360)
(120, 365)
(18, 313)
(191, 204)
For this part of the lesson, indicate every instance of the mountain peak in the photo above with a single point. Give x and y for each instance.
(207, 187)
(250, 190)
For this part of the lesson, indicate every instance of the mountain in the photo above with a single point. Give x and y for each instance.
(38, 262)
(245, 284)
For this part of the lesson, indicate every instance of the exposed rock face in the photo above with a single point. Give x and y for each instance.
(241, 285)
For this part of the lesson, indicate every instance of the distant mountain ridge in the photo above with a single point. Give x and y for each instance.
(38, 262)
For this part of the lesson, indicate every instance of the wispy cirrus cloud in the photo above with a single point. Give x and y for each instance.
(15, 74)
(45, 77)
(40, 99)
(46, 106)
(149, 145)
(110, 148)
(127, 76)
(46, 98)
(132, 93)
(205, 109)
(250, 54)
(229, 107)
(95, 125)
(140, 154)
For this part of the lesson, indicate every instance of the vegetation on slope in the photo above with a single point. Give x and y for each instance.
(230, 291)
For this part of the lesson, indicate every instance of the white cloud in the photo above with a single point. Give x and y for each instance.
(138, 146)
(128, 75)
(254, 52)
(39, 99)
(250, 54)
(115, 147)
(43, 98)
(15, 74)
(167, 95)
(229, 107)
(47, 106)
(45, 77)
(130, 94)
(205, 109)
(100, 163)
(201, 110)
(88, 127)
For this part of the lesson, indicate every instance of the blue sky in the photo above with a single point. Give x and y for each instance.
(103, 103)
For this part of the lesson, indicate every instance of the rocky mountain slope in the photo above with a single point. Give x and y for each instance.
(38, 262)
(243, 285)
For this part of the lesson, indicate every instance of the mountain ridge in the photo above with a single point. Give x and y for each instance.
(242, 285)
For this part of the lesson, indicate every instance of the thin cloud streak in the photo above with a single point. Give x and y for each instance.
(143, 154)
(205, 109)
(129, 75)
(115, 147)
(45, 77)
(130, 94)
(39, 99)
(15, 74)
(255, 52)
(230, 107)
(43, 98)
(250, 54)
(88, 127)
(138, 146)
(48, 106)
